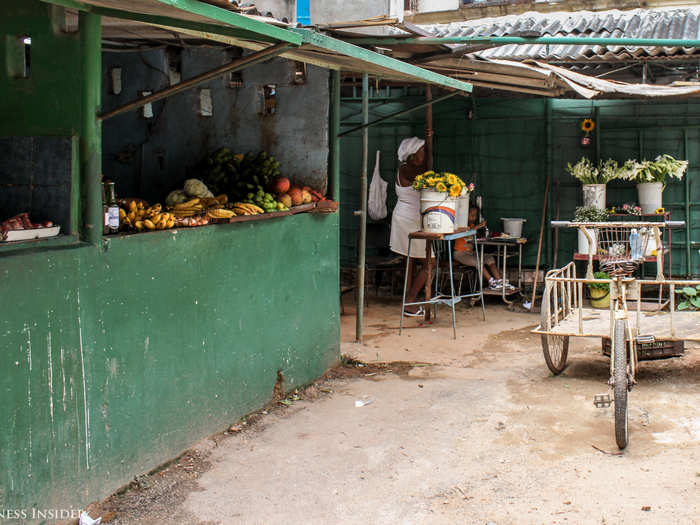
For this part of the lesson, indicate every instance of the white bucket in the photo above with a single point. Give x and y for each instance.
(650, 196)
(462, 217)
(438, 210)
(513, 227)
(583, 242)
(594, 195)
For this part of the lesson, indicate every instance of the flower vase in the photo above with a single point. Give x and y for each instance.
(594, 195)
(650, 196)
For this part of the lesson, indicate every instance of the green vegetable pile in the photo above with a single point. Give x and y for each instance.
(600, 286)
(241, 177)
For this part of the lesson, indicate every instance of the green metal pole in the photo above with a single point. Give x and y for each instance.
(91, 132)
(596, 119)
(549, 170)
(688, 224)
(363, 212)
(333, 136)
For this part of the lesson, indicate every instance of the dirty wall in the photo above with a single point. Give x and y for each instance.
(117, 356)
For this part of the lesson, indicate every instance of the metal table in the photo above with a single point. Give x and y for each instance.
(440, 298)
(502, 243)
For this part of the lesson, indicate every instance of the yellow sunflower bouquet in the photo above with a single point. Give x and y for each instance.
(442, 182)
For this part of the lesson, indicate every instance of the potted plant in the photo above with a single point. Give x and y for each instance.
(594, 179)
(600, 292)
(689, 298)
(439, 194)
(651, 177)
(588, 214)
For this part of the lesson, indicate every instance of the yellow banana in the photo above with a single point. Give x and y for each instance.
(189, 204)
(122, 214)
(138, 225)
(148, 224)
(131, 215)
(132, 206)
(170, 224)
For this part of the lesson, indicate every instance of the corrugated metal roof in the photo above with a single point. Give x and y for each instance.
(677, 23)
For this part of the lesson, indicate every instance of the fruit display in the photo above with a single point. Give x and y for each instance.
(295, 196)
(239, 175)
(246, 208)
(136, 216)
(199, 206)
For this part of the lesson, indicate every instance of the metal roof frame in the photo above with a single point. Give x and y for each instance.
(201, 20)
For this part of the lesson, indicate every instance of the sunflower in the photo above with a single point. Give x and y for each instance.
(452, 179)
(455, 190)
(441, 186)
(587, 125)
(660, 211)
(419, 178)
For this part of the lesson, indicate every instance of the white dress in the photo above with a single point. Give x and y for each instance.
(406, 219)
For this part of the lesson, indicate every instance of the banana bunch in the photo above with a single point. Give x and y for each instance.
(140, 218)
(220, 213)
(245, 208)
(199, 205)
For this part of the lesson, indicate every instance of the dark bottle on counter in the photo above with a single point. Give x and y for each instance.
(112, 209)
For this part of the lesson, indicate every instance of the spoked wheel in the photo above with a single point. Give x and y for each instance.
(620, 390)
(554, 347)
(556, 350)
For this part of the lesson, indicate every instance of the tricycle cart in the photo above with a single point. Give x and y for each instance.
(620, 248)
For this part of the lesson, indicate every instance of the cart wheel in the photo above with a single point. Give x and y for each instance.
(620, 391)
(556, 350)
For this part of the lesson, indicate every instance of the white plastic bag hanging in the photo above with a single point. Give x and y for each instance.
(376, 204)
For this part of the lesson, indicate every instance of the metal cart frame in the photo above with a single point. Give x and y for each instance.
(563, 315)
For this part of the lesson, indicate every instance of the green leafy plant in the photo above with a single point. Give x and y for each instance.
(590, 214)
(689, 298)
(587, 173)
(600, 286)
(657, 170)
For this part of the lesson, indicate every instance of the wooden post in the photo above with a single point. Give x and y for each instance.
(363, 213)
(428, 128)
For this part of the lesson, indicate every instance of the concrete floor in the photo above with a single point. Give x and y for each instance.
(484, 434)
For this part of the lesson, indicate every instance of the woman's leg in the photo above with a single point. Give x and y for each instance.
(418, 282)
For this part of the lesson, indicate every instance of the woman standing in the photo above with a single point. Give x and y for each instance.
(406, 217)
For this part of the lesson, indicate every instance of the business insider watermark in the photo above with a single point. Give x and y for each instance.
(13, 515)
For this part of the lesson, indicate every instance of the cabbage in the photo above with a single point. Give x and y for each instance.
(196, 188)
(176, 197)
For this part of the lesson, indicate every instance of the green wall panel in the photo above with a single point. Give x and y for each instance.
(503, 150)
(117, 360)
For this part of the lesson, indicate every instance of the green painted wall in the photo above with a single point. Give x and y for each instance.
(503, 149)
(118, 356)
(115, 361)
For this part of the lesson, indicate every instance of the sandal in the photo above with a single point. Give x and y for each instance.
(418, 313)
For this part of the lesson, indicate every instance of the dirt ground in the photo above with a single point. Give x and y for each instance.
(473, 430)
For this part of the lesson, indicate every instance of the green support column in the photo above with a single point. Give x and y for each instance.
(363, 211)
(334, 161)
(91, 132)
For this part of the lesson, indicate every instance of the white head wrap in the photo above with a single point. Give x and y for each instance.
(408, 147)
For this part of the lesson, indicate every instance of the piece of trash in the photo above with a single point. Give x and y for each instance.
(527, 305)
(501, 426)
(434, 329)
(85, 519)
(420, 385)
(646, 508)
(366, 400)
(286, 402)
(234, 428)
(608, 453)
(567, 503)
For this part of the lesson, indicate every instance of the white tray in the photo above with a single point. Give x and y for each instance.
(25, 235)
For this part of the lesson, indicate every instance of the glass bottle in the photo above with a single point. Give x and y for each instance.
(112, 209)
(105, 211)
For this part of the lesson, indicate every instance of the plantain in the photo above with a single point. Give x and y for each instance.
(138, 225)
(148, 224)
(132, 206)
(131, 215)
(222, 199)
(157, 208)
(220, 214)
(189, 204)
(122, 214)
(155, 218)
(163, 222)
(170, 224)
(140, 205)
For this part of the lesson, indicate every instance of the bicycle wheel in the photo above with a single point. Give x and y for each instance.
(554, 347)
(620, 390)
(556, 351)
